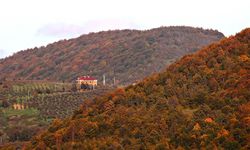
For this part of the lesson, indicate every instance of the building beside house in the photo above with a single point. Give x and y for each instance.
(87, 82)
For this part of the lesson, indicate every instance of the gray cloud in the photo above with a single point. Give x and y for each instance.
(70, 30)
(59, 30)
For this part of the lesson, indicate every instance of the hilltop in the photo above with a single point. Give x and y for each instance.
(201, 101)
(127, 55)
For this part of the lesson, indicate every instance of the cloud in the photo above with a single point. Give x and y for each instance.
(71, 30)
(59, 30)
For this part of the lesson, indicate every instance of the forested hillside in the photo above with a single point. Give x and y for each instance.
(127, 55)
(27, 107)
(201, 101)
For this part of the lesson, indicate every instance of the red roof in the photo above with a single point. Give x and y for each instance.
(86, 78)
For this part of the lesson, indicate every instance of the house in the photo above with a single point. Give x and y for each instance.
(87, 82)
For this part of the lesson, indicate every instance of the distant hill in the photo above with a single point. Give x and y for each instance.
(127, 55)
(199, 102)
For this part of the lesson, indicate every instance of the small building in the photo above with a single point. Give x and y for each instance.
(87, 82)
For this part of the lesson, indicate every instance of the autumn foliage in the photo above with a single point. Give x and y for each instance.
(199, 102)
(127, 55)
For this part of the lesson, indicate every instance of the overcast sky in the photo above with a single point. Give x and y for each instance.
(29, 23)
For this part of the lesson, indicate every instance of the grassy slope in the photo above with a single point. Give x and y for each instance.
(43, 102)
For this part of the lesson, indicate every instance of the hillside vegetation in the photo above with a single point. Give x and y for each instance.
(127, 55)
(201, 101)
(27, 107)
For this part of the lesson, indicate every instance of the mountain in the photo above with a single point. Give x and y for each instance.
(127, 55)
(199, 102)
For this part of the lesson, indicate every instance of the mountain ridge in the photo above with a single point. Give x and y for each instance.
(130, 54)
(199, 102)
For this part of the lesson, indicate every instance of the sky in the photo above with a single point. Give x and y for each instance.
(34, 23)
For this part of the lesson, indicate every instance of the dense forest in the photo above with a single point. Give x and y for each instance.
(201, 101)
(127, 55)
